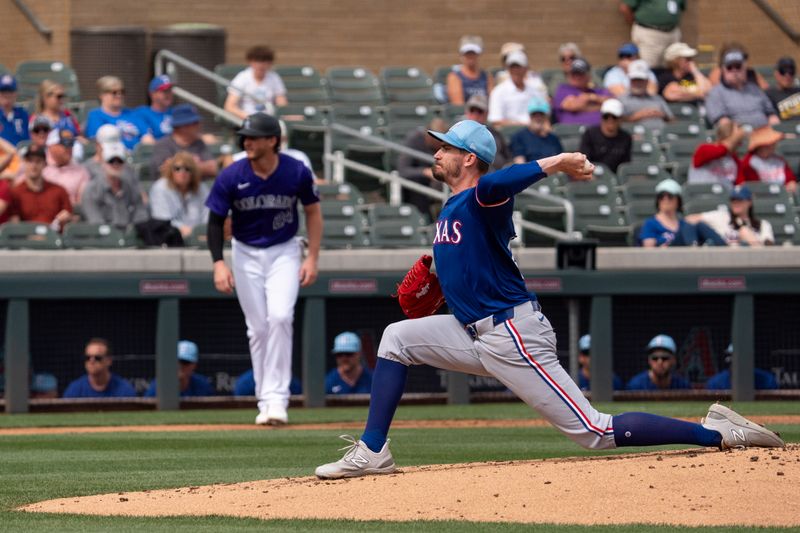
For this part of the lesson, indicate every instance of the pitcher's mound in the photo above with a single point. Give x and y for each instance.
(753, 487)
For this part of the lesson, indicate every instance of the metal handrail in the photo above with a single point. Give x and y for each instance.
(200, 70)
(33, 19)
(779, 21)
(569, 210)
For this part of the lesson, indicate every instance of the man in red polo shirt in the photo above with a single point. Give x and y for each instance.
(38, 200)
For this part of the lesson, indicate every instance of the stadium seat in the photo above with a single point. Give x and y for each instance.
(565, 131)
(639, 210)
(400, 214)
(340, 191)
(550, 216)
(365, 118)
(440, 82)
(597, 190)
(356, 85)
(788, 126)
(407, 85)
(85, 235)
(685, 112)
(609, 235)
(602, 171)
(342, 210)
(570, 144)
(641, 171)
(785, 230)
(508, 131)
(30, 74)
(681, 150)
(789, 147)
(640, 190)
(596, 212)
(304, 84)
(691, 190)
(452, 113)
(767, 71)
(305, 113)
(683, 130)
(772, 206)
(703, 203)
(394, 234)
(310, 139)
(343, 234)
(371, 156)
(227, 71)
(29, 235)
(197, 238)
(773, 192)
(646, 150)
(402, 118)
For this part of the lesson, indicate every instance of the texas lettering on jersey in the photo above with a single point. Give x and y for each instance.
(447, 232)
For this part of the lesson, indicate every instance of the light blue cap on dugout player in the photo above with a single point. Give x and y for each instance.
(188, 352)
(347, 342)
(663, 342)
(470, 136)
(585, 343)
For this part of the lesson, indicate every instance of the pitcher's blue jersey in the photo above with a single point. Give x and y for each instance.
(478, 274)
(264, 212)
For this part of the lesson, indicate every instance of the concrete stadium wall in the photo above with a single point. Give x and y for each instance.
(374, 33)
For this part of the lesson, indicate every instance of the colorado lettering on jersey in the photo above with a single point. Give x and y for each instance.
(447, 233)
(265, 201)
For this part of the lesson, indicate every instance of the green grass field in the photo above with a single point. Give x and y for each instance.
(34, 468)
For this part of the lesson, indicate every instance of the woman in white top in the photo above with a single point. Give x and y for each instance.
(180, 195)
(738, 225)
(258, 87)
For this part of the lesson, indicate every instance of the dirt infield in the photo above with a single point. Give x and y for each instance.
(397, 424)
(742, 487)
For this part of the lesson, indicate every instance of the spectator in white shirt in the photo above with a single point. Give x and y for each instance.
(257, 88)
(180, 195)
(508, 103)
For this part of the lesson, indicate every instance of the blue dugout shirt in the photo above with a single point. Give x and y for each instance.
(14, 125)
(264, 211)
(477, 272)
(116, 388)
(762, 380)
(156, 123)
(198, 386)
(246, 385)
(641, 381)
(334, 384)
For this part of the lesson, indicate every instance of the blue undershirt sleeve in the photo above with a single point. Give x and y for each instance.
(503, 184)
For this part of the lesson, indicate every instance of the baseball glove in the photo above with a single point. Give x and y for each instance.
(419, 294)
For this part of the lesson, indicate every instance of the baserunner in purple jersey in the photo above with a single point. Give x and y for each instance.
(497, 327)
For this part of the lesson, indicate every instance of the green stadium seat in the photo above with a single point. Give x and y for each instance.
(685, 112)
(595, 212)
(570, 144)
(304, 113)
(691, 190)
(619, 235)
(408, 85)
(452, 113)
(227, 71)
(343, 210)
(597, 190)
(508, 131)
(641, 171)
(645, 150)
(340, 191)
(644, 190)
(304, 84)
(639, 210)
(601, 171)
(682, 149)
(703, 203)
(788, 126)
(310, 139)
(367, 119)
(29, 235)
(564, 131)
(400, 214)
(550, 216)
(371, 156)
(30, 74)
(395, 234)
(789, 147)
(683, 130)
(343, 234)
(85, 235)
(403, 118)
(769, 192)
(198, 239)
(356, 85)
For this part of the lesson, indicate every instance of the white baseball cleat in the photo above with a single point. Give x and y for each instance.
(276, 415)
(358, 461)
(261, 418)
(737, 431)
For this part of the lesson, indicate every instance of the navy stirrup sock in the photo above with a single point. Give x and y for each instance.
(388, 382)
(644, 429)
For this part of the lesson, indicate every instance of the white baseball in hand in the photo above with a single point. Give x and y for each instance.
(588, 167)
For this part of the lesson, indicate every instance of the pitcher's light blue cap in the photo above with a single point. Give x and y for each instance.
(585, 343)
(664, 342)
(188, 352)
(347, 342)
(470, 136)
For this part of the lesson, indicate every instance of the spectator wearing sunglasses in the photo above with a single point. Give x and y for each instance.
(785, 95)
(578, 101)
(51, 105)
(112, 199)
(157, 117)
(715, 76)
(608, 143)
(682, 81)
(13, 118)
(477, 109)
(112, 110)
(617, 79)
(567, 53)
(737, 97)
(99, 381)
(661, 357)
(186, 136)
(180, 195)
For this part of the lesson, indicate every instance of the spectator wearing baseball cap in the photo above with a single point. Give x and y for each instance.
(44, 386)
(468, 78)
(189, 383)
(617, 79)
(35, 199)
(763, 164)
(157, 117)
(112, 110)
(186, 136)
(785, 95)
(350, 375)
(641, 107)
(738, 97)
(99, 381)
(608, 143)
(577, 101)
(661, 356)
(477, 109)
(61, 168)
(258, 88)
(738, 224)
(508, 103)
(682, 81)
(739, 52)
(537, 140)
(585, 363)
(13, 118)
(762, 379)
(654, 25)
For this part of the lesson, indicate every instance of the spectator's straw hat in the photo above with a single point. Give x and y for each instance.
(763, 137)
(676, 50)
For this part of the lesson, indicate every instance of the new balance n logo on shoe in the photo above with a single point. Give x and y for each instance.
(359, 460)
(738, 435)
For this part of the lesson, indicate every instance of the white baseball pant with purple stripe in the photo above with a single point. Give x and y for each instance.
(520, 352)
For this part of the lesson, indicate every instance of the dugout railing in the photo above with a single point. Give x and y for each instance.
(169, 279)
